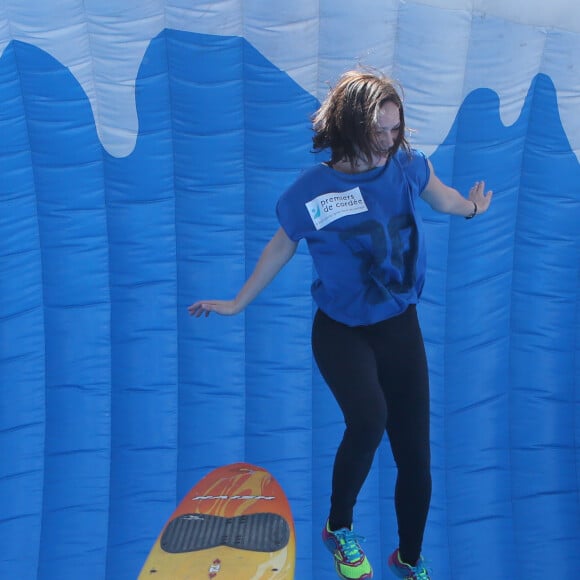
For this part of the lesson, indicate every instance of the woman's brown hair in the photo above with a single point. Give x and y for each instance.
(346, 121)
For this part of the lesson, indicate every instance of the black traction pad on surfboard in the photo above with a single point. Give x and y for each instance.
(263, 532)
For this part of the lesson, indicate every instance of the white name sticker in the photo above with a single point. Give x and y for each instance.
(329, 207)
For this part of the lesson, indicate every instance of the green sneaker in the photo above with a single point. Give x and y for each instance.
(349, 559)
(406, 571)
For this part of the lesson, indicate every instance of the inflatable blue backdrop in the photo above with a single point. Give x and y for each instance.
(143, 146)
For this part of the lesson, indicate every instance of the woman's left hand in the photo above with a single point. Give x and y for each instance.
(479, 197)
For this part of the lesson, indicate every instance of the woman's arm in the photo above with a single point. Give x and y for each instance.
(445, 199)
(276, 254)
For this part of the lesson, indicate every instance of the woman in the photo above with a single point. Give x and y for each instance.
(357, 214)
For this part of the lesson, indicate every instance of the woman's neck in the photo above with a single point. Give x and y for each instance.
(360, 165)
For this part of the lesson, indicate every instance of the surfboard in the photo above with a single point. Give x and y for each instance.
(235, 524)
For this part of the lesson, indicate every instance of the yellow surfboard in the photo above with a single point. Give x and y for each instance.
(235, 524)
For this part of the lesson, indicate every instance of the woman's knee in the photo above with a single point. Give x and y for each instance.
(416, 462)
(366, 433)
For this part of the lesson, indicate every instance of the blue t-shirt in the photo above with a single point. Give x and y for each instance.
(363, 234)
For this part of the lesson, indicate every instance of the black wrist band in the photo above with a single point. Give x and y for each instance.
(473, 213)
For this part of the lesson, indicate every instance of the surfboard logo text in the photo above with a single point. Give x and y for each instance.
(241, 497)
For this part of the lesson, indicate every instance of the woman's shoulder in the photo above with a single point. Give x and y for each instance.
(316, 171)
(412, 160)
(308, 179)
(409, 156)
(415, 166)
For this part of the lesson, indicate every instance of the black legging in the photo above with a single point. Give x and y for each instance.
(372, 369)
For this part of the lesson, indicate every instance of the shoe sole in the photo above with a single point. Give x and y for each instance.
(366, 576)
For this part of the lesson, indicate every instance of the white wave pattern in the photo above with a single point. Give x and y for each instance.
(439, 50)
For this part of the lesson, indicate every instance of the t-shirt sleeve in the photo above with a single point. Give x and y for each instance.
(291, 211)
(418, 172)
(288, 212)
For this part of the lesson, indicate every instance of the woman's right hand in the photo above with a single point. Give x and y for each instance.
(223, 307)
(276, 253)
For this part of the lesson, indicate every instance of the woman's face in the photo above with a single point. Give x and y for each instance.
(387, 129)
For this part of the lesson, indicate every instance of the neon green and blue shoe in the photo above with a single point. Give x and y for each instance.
(406, 571)
(349, 559)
